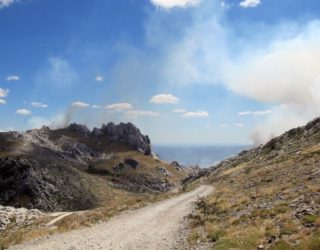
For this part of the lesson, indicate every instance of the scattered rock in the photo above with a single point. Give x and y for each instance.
(164, 171)
(18, 216)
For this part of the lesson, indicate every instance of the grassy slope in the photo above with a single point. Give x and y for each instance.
(269, 196)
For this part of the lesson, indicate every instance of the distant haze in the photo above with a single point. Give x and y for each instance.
(201, 155)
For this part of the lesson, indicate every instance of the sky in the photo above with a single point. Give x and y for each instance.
(183, 71)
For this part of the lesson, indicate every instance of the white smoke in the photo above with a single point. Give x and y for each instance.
(287, 73)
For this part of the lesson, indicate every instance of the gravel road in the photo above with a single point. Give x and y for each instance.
(156, 227)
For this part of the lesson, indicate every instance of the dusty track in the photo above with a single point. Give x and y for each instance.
(155, 227)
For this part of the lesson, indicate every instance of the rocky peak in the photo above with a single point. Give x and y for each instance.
(126, 133)
(79, 128)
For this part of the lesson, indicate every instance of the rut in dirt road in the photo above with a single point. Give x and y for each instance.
(156, 227)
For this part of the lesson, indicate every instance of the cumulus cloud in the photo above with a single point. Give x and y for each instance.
(168, 4)
(249, 3)
(23, 112)
(164, 99)
(4, 92)
(119, 107)
(13, 78)
(198, 114)
(139, 113)
(259, 112)
(239, 124)
(179, 110)
(99, 78)
(59, 74)
(79, 104)
(2, 101)
(39, 105)
(6, 3)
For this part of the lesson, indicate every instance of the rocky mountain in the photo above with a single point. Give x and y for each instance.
(76, 169)
(265, 198)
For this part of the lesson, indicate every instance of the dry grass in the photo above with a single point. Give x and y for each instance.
(251, 203)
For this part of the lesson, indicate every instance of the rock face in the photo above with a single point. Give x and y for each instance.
(72, 168)
(78, 128)
(125, 133)
(48, 186)
(19, 216)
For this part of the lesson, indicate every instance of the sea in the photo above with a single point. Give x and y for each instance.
(202, 155)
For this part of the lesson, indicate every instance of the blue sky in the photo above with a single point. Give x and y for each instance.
(184, 71)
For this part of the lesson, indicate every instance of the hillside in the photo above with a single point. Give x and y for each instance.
(77, 169)
(265, 198)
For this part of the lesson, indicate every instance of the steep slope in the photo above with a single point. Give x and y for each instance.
(265, 198)
(77, 169)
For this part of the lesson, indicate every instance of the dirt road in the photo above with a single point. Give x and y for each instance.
(156, 227)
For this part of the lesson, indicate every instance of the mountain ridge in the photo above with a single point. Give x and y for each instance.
(74, 168)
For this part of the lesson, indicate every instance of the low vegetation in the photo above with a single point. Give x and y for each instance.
(266, 198)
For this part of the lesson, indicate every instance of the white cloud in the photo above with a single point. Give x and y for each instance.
(239, 124)
(23, 112)
(164, 98)
(38, 105)
(99, 78)
(119, 107)
(223, 125)
(79, 104)
(96, 106)
(13, 78)
(260, 112)
(6, 3)
(168, 4)
(138, 113)
(58, 74)
(249, 3)
(198, 114)
(2, 101)
(4, 92)
(179, 110)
